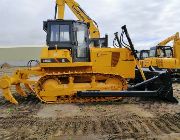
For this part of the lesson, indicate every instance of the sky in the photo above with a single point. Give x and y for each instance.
(148, 22)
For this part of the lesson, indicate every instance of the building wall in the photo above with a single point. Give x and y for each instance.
(19, 56)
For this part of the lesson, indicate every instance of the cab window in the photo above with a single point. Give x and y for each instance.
(54, 33)
(145, 55)
(60, 33)
(152, 53)
(81, 35)
(64, 33)
(169, 53)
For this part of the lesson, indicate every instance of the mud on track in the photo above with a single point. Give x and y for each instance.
(130, 118)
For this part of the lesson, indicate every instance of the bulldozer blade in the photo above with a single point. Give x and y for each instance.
(158, 86)
(8, 96)
(29, 87)
(20, 91)
(159, 81)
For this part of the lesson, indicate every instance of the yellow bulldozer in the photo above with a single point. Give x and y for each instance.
(164, 56)
(76, 65)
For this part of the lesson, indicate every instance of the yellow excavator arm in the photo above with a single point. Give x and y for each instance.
(169, 39)
(163, 43)
(79, 13)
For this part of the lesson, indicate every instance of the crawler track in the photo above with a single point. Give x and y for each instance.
(64, 84)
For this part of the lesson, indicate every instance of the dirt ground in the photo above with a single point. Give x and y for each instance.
(130, 118)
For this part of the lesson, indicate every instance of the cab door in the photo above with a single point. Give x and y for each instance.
(81, 50)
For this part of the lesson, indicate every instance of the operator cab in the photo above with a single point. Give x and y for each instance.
(142, 54)
(161, 51)
(71, 35)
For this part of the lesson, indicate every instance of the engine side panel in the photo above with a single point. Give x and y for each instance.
(118, 61)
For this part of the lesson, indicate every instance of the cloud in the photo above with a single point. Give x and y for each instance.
(148, 22)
